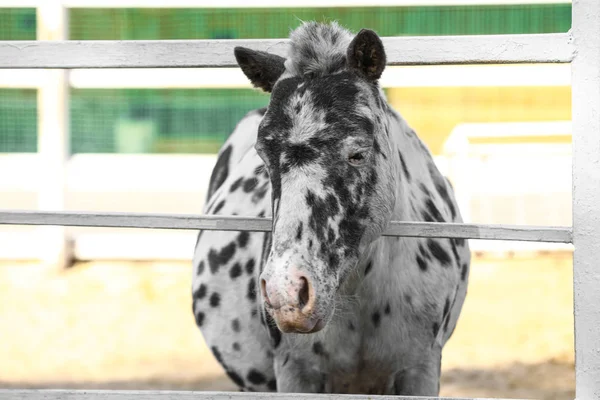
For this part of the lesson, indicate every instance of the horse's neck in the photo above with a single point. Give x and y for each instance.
(403, 140)
(406, 144)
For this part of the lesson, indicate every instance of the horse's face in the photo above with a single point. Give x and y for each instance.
(325, 145)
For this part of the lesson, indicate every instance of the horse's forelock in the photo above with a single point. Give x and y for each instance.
(317, 49)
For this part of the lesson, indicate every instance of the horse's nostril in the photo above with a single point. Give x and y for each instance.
(303, 293)
(263, 290)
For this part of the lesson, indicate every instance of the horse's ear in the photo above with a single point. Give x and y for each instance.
(263, 69)
(366, 55)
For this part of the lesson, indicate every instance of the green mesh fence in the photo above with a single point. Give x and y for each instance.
(18, 107)
(97, 24)
(157, 120)
(18, 120)
(199, 120)
(17, 24)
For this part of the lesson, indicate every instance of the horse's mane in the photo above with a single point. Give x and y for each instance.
(317, 49)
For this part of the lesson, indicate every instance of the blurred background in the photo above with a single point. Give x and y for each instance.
(111, 308)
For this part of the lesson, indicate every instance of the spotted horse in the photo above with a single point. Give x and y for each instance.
(326, 303)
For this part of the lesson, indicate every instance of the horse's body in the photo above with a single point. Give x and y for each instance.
(325, 303)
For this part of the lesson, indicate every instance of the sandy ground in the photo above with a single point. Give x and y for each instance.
(128, 325)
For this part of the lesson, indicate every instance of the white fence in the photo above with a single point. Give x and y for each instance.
(177, 184)
(512, 173)
(580, 47)
(108, 183)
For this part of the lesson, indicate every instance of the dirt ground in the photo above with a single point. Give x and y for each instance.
(128, 325)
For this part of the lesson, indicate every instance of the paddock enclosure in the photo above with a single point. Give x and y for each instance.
(579, 48)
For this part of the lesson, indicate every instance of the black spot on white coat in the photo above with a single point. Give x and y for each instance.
(220, 171)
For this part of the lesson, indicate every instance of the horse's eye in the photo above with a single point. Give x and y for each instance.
(356, 158)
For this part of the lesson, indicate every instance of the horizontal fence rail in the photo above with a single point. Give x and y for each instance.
(236, 223)
(422, 50)
(190, 395)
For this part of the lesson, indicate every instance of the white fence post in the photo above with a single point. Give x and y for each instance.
(53, 136)
(586, 196)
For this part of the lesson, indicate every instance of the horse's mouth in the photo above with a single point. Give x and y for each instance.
(308, 328)
(289, 320)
